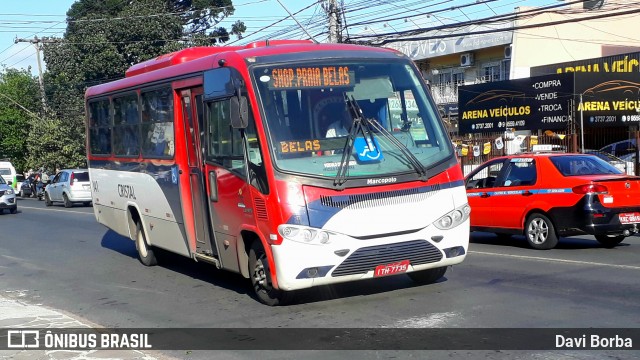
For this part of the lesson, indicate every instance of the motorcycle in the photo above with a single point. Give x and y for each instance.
(40, 192)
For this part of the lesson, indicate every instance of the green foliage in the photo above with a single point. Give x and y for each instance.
(103, 39)
(53, 145)
(19, 101)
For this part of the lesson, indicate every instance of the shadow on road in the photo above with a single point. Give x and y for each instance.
(235, 282)
(180, 264)
(519, 241)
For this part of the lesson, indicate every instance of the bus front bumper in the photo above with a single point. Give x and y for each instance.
(302, 265)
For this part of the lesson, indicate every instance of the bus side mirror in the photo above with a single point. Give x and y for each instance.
(239, 112)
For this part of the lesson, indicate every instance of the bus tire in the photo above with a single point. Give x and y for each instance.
(428, 276)
(145, 252)
(540, 232)
(260, 277)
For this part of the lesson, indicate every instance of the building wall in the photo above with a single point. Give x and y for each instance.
(586, 39)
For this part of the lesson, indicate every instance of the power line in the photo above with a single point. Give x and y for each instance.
(520, 27)
(492, 19)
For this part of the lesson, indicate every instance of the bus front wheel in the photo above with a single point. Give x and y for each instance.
(260, 275)
(145, 253)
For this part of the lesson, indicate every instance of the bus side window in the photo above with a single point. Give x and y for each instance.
(126, 121)
(100, 127)
(225, 145)
(157, 123)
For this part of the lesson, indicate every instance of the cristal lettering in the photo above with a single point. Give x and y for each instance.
(126, 191)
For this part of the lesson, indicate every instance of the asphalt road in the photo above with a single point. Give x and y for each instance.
(64, 259)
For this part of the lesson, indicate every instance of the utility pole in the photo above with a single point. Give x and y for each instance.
(36, 42)
(333, 12)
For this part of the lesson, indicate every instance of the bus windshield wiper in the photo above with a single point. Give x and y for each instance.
(367, 127)
(417, 165)
(356, 127)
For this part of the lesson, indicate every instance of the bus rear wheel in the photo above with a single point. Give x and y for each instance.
(428, 276)
(145, 253)
(260, 275)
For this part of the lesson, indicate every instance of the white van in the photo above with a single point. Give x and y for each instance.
(8, 172)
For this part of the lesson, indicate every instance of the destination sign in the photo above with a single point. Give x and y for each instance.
(309, 77)
(523, 104)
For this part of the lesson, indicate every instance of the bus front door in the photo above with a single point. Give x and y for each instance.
(192, 112)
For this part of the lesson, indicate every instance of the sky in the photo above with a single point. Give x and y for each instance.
(24, 19)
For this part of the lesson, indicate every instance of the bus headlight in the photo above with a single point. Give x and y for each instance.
(453, 218)
(304, 234)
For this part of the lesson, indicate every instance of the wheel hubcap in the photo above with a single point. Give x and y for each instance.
(538, 231)
(259, 276)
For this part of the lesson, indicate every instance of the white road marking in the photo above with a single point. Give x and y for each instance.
(50, 209)
(430, 321)
(576, 262)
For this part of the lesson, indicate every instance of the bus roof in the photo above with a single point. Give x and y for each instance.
(196, 59)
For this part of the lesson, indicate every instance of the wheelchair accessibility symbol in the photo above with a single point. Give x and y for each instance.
(367, 150)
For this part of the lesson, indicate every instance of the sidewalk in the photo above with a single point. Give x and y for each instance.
(16, 314)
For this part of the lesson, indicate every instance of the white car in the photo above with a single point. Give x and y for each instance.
(7, 197)
(69, 186)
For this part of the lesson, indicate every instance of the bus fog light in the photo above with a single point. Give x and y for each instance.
(312, 272)
(454, 251)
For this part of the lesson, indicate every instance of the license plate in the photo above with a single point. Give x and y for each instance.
(629, 218)
(85, 186)
(390, 269)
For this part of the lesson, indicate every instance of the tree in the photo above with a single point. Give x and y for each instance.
(52, 145)
(19, 102)
(105, 37)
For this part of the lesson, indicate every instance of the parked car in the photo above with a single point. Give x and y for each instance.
(611, 159)
(547, 195)
(7, 197)
(625, 149)
(69, 186)
(24, 189)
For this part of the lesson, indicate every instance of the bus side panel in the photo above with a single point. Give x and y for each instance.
(154, 195)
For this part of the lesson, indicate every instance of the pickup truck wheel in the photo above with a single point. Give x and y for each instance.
(67, 202)
(540, 232)
(47, 201)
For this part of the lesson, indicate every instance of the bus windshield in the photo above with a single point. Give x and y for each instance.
(310, 107)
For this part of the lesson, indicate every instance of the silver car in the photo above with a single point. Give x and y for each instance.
(69, 186)
(7, 197)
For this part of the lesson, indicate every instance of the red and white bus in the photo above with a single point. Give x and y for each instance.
(222, 154)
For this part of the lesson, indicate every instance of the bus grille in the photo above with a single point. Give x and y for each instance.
(366, 259)
(385, 198)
